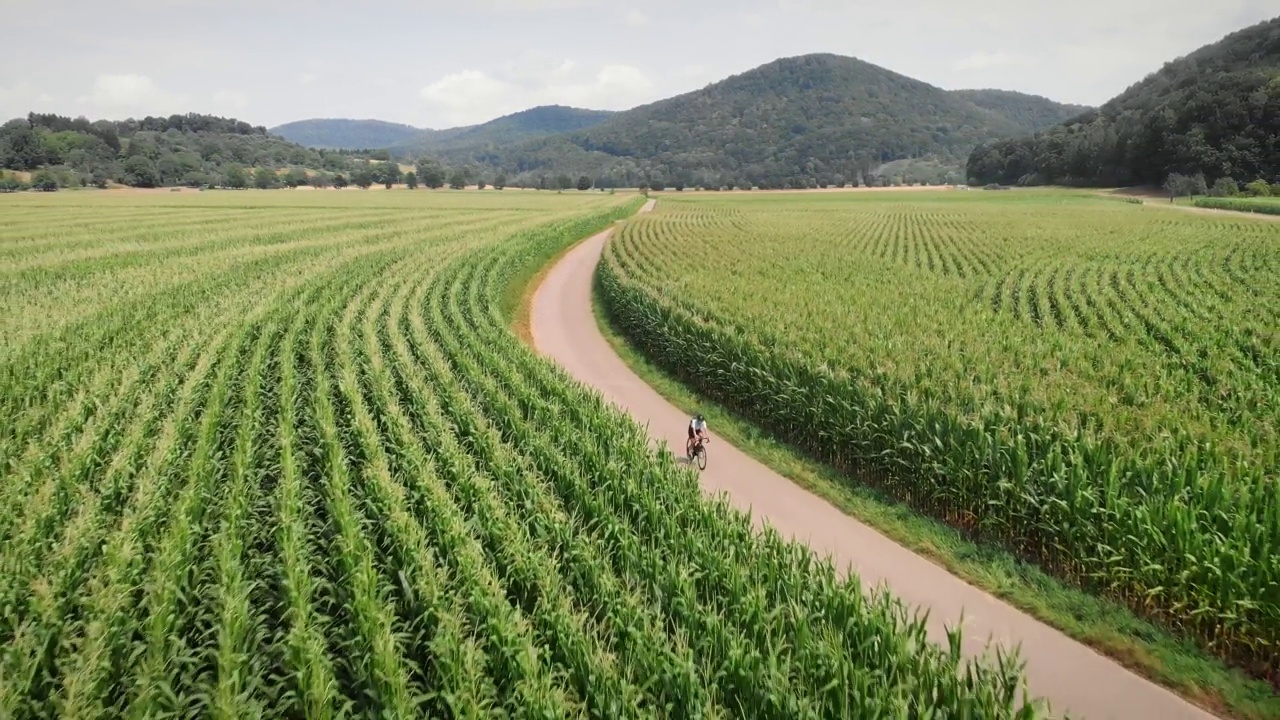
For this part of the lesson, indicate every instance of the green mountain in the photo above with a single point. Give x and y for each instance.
(794, 122)
(186, 149)
(342, 133)
(476, 140)
(404, 140)
(1213, 112)
(1032, 113)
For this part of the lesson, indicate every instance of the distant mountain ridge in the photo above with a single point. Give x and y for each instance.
(535, 122)
(1032, 113)
(798, 120)
(344, 133)
(1215, 111)
(341, 133)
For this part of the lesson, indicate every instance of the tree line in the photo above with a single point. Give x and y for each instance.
(191, 149)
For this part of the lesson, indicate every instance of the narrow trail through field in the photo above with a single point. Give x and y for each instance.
(1161, 201)
(1211, 211)
(1073, 677)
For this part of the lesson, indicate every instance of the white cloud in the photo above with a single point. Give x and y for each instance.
(308, 78)
(473, 96)
(615, 87)
(697, 71)
(533, 5)
(983, 60)
(230, 99)
(22, 98)
(469, 96)
(636, 18)
(129, 94)
(533, 69)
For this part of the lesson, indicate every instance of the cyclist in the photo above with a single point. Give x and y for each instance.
(697, 431)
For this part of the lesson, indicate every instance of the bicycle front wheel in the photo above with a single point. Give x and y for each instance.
(702, 458)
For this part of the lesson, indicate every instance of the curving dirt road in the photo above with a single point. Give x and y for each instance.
(1073, 677)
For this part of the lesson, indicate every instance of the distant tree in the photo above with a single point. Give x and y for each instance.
(99, 178)
(457, 180)
(431, 176)
(500, 181)
(339, 180)
(8, 184)
(679, 185)
(480, 184)
(320, 180)
(144, 146)
(198, 178)
(411, 180)
(1258, 188)
(656, 185)
(139, 171)
(1224, 187)
(1197, 185)
(265, 178)
(1179, 185)
(235, 177)
(295, 177)
(169, 168)
(387, 173)
(21, 147)
(362, 178)
(45, 181)
(584, 182)
(563, 182)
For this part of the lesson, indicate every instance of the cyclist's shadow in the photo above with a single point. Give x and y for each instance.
(681, 456)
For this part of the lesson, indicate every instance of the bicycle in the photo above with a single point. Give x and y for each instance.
(696, 451)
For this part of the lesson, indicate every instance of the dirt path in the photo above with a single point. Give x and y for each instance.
(1210, 211)
(1072, 676)
(1158, 200)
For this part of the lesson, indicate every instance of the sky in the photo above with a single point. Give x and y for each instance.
(438, 64)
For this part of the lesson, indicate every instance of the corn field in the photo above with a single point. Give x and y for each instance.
(1266, 206)
(278, 455)
(1090, 384)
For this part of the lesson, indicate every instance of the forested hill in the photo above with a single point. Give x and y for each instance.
(409, 141)
(1214, 112)
(794, 122)
(1032, 113)
(347, 134)
(189, 149)
(507, 130)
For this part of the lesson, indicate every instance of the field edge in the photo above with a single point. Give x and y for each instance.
(518, 297)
